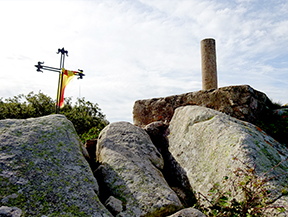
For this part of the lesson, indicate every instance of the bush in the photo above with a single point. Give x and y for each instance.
(243, 194)
(86, 116)
(22, 107)
(274, 124)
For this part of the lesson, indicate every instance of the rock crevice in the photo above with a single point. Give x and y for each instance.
(130, 172)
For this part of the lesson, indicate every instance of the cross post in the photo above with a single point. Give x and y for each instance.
(40, 67)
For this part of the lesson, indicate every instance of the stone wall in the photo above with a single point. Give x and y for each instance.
(242, 102)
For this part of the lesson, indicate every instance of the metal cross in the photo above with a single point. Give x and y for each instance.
(53, 69)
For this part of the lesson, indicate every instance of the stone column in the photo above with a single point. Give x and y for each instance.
(209, 67)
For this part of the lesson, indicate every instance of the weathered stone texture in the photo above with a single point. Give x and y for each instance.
(208, 64)
(242, 102)
(6, 211)
(43, 171)
(130, 171)
(204, 141)
(177, 181)
(189, 212)
(114, 205)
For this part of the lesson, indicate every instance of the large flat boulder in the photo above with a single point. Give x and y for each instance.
(130, 167)
(242, 102)
(43, 171)
(204, 142)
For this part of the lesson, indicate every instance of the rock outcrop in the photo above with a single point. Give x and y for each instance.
(43, 171)
(130, 171)
(150, 171)
(204, 142)
(242, 102)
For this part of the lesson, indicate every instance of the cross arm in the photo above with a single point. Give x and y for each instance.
(39, 67)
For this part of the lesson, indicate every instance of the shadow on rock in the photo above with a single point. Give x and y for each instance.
(106, 175)
(174, 174)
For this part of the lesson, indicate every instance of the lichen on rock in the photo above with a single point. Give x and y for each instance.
(130, 171)
(43, 170)
(205, 143)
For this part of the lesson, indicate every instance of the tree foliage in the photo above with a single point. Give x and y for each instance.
(86, 116)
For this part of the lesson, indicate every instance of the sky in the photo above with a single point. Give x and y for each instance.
(141, 49)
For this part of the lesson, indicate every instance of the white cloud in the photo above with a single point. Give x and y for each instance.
(132, 50)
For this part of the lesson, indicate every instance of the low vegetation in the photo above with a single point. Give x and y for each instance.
(242, 194)
(274, 124)
(86, 116)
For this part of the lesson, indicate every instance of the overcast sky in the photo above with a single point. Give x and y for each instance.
(140, 49)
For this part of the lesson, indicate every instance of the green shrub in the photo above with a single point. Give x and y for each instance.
(86, 117)
(22, 107)
(274, 124)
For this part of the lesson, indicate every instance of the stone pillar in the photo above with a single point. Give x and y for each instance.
(209, 67)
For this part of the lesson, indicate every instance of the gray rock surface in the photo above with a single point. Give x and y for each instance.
(130, 171)
(204, 141)
(178, 182)
(242, 102)
(188, 212)
(6, 211)
(43, 170)
(114, 205)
